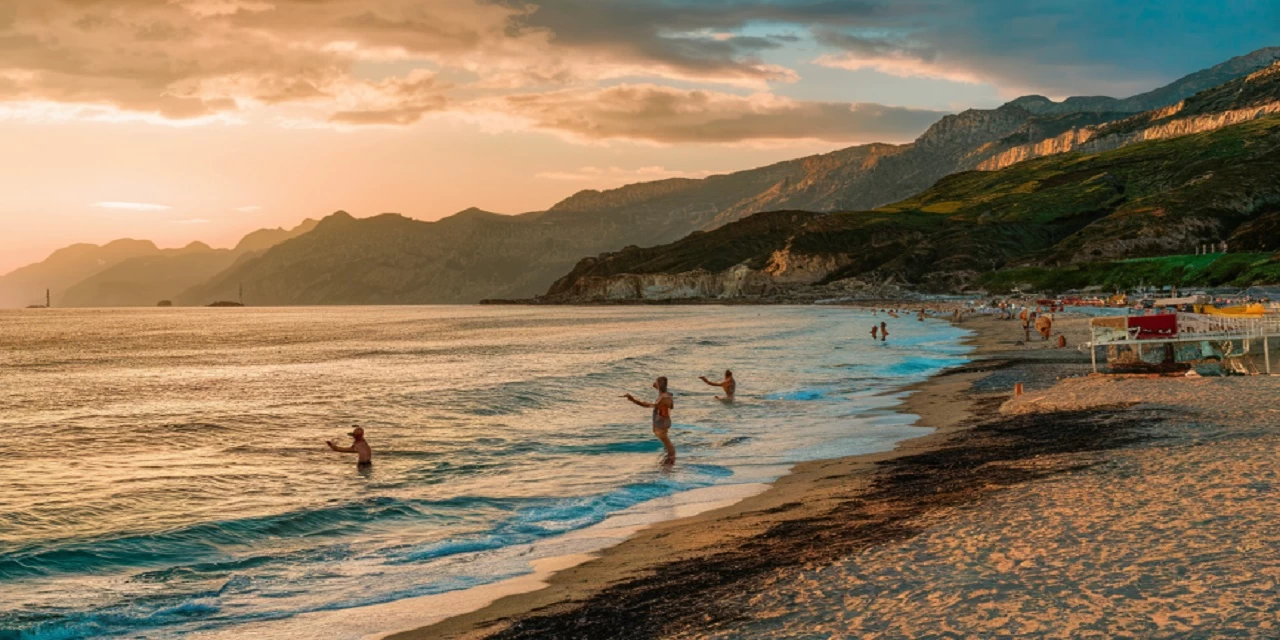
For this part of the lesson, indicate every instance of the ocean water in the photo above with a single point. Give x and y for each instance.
(165, 472)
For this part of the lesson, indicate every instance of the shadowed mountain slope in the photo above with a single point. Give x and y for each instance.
(127, 273)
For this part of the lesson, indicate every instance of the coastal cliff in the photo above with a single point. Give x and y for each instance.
(780, 275)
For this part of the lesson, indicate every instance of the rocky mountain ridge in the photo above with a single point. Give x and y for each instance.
(1152, 198)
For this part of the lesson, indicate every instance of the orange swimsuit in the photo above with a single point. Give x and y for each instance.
(661, 415)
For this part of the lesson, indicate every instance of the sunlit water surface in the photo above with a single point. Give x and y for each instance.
(165, 470)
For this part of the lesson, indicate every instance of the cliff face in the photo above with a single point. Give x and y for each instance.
(738, 282)
(783, 271)
(1253, 96)
(1165, 196)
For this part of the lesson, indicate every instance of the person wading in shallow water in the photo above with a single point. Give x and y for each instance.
(884, 332)
(728, 384)
(364, 455)
(661, 416)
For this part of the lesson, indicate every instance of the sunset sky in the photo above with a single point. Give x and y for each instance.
(181, 120)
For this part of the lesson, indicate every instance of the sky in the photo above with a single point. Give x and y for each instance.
(185, 120)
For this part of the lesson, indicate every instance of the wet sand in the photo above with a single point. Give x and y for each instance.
(1082, 508)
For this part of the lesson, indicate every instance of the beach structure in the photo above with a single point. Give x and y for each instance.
(1206, 343)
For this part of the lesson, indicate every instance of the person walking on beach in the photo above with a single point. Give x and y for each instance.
(884, 332)
(661, 416)
(359, 446)
(728, 384)
(1044, 324)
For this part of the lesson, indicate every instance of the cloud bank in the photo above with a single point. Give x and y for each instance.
(666, 71)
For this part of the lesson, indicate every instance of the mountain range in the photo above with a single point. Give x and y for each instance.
(1063, 214)
(475, 254)
(129, 272)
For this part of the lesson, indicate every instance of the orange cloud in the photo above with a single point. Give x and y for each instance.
(653, 113)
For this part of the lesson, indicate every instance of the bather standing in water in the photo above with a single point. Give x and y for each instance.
(661, 416)
(728, 384)
(360, 447)
(884, 332)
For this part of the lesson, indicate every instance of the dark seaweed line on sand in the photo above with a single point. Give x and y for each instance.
(698, 594)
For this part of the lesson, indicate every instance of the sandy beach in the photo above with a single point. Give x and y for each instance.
(1089, 507)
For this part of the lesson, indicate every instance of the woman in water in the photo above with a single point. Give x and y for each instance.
(661, 416)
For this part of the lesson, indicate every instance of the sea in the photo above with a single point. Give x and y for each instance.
(164, 473)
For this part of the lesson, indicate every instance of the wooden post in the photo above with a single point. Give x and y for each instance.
(1266, 351)
(1093, 347)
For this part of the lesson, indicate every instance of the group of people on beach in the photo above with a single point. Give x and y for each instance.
(1037, 318)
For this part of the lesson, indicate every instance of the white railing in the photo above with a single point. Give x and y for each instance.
(1194, 327)
(1203, 325)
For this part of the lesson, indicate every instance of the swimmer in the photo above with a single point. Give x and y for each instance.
(875, 332)
(661, 416)
(359, 446)
(884, 332)
(728, 384)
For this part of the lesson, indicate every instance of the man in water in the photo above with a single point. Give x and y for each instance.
(875, 332)
(884, 332)
(364, 455)
(728, 384)
(661, 416)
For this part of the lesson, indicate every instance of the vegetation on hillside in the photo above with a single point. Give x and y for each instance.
(1212, 270)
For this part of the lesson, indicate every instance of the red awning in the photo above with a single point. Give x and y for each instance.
(1155, 327)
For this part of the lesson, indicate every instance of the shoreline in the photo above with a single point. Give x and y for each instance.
(944, 402)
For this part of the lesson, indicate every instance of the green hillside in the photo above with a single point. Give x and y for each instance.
(1212, 270)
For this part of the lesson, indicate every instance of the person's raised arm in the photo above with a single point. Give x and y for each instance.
(340, 449)
(638, 401)
(710, 383)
